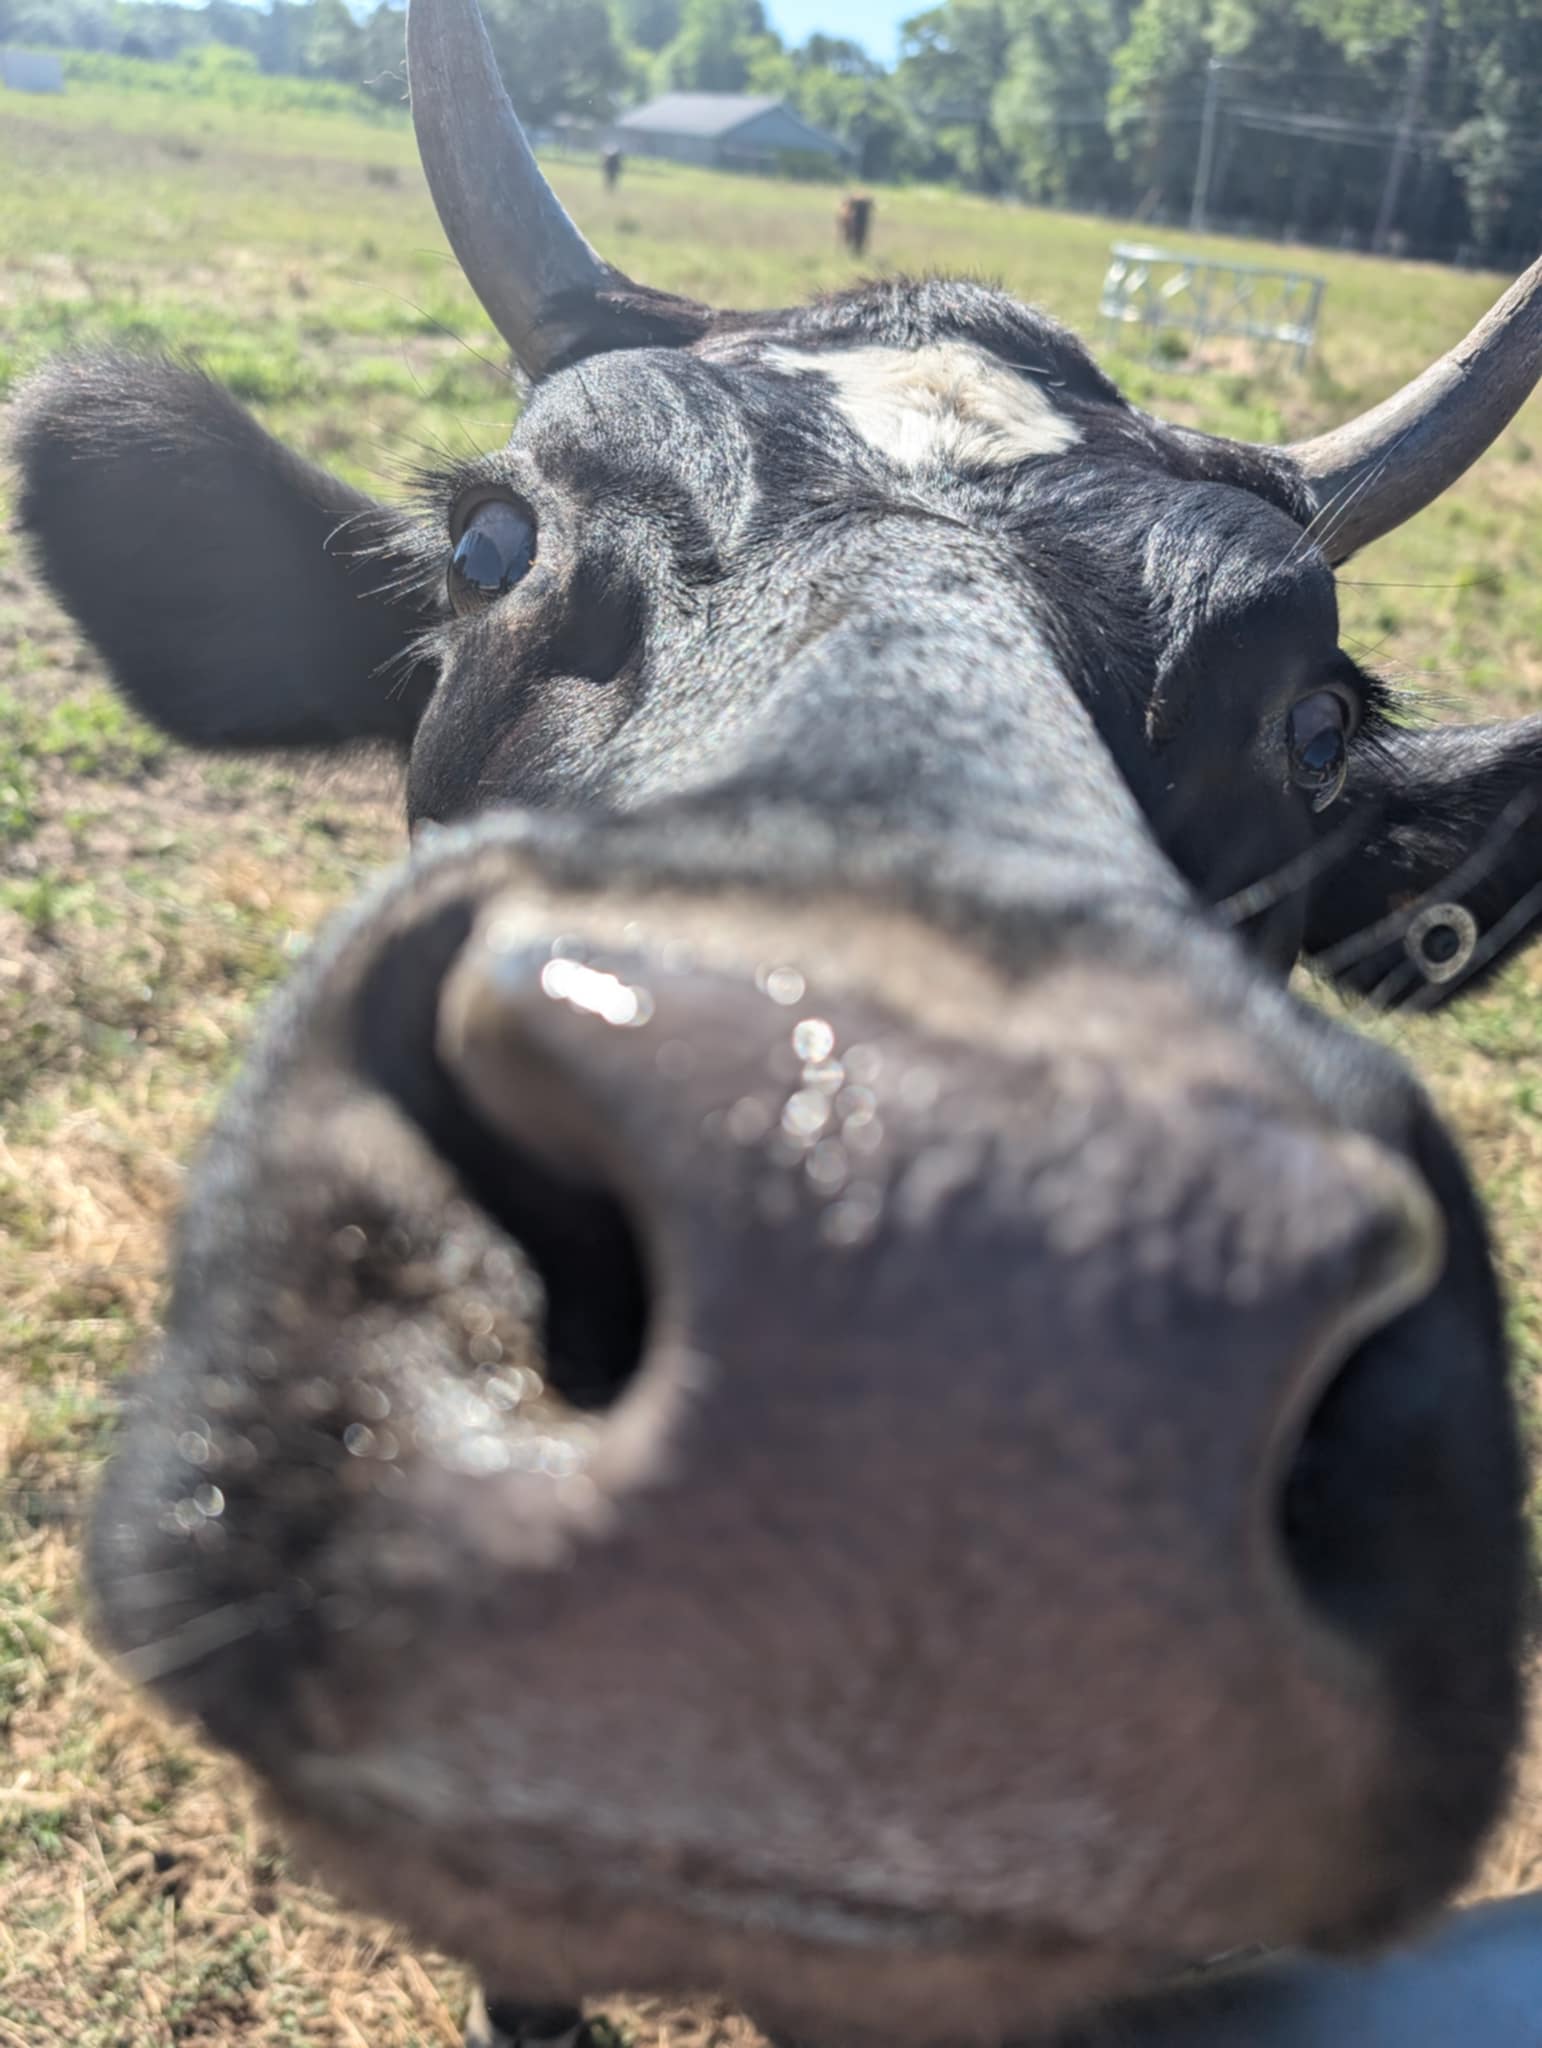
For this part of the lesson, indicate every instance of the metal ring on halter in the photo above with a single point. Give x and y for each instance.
(1452, 921)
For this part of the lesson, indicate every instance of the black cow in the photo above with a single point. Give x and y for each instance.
(854, 222)
(792, 1368)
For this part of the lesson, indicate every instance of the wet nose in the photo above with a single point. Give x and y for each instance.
(1067, 1343)
(1155, 1267)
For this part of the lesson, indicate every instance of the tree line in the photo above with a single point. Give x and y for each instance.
(1414, 124)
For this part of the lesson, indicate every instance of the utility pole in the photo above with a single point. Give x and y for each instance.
(1200, 205)
(1413, 105)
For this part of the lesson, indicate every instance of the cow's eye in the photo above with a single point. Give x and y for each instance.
(494, 548)
(1319, 730)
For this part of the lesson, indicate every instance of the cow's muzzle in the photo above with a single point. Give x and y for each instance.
(838, 1450)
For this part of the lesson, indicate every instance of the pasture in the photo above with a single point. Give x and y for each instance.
(149, 900)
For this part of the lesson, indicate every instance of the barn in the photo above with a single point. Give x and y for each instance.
(31, 71)
(728, 130)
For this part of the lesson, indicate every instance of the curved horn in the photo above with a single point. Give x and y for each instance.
(1377, 471)
(523, 257)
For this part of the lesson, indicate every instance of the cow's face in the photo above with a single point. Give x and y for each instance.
(843, 562)
(792, 1369)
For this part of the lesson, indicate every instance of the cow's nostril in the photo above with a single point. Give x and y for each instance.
(573, 1229)
(1361, 1469)
(587, 1256)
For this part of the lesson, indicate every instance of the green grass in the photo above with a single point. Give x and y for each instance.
(89, 734)
(148, 900)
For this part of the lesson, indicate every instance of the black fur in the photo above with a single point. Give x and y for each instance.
(240, 596)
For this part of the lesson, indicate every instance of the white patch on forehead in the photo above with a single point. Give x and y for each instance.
(950, 404)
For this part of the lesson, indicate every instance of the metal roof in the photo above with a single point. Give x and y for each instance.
(31, 71)
(698, 113)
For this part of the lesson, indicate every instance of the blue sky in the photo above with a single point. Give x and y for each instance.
(873, 23)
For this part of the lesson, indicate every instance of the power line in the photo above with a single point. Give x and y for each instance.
(1055, 117)
(1344, 73)
(1383, 131)
(1339, 128)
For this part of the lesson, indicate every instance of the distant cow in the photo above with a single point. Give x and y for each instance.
(854, 221)
(610, 168)
(794, 1369)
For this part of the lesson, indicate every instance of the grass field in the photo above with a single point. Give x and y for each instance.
(148, 900)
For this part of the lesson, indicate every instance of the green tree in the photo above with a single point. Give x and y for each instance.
(332, 45)
(840, 55)
(59, 25)
(648, 24)
(282, 41)
(557, 57)
(383, 53)
(1154, 97)
(231, 23)
(1494, 151)
(952, 60)
(835, 84)
(718, 42)
(1051, 110)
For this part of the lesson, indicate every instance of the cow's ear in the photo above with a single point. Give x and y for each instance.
(1432, 868)
(239, 596)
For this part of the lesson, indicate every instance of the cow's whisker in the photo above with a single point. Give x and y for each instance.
(500, 369)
